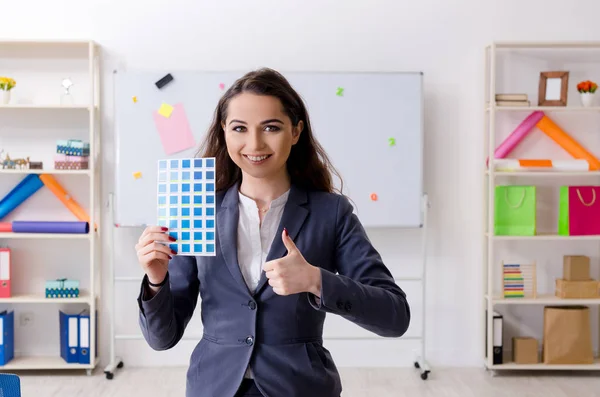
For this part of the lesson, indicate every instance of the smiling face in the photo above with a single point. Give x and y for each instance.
(259, 135)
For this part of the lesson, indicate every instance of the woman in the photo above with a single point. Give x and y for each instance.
(289, 250)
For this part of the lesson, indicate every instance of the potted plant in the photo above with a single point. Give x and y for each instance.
(587, 91)
(6, 84)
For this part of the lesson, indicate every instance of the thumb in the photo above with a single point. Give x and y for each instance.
(287, 241)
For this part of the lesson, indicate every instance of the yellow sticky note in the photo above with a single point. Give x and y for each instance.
(137, 175)
(134, 99)
(165, 110)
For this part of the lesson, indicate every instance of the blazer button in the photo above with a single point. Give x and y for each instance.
(252, 305)
(348, 306)
(340, 305)
(249, 341)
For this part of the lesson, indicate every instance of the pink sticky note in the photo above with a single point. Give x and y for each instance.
(175, 132)
(222, 86)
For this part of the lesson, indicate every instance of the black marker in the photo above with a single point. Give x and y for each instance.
(164, 81)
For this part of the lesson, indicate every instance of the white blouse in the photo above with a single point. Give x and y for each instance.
(254, 240)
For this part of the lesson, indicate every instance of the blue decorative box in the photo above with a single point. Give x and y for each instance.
(73, 147)
(62, 288)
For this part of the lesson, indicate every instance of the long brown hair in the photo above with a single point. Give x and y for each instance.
(308, 164)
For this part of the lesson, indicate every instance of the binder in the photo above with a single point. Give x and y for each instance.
(69, 337)
(5, 273)
(7, 336)
(497, 338)
(84, 338)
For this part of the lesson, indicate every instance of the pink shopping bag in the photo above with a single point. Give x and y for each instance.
(584, 210)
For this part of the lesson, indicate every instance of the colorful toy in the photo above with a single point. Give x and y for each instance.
(7, 162)
(36, 165)
(545, 124)
(51, 183)
(62, 288)
(519, 280)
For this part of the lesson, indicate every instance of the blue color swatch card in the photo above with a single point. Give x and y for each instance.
(186, 204)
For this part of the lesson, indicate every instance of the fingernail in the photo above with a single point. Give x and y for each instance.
(173, 252)
(170, 257)
(285, 231)
(171, 238)
(164, 229)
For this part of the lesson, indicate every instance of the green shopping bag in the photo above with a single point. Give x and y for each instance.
(515, 211)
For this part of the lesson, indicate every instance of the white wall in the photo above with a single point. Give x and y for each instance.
(445, 39)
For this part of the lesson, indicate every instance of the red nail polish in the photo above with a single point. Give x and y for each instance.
(164, 229)
(171, 238)
(173, 252)
(285, 231)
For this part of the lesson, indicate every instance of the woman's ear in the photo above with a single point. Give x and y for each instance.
(296, 131)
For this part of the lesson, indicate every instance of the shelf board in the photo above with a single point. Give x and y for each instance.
(46, 171)
(545, 173)
(46, 107)
(43, 362)
(595, 366)
(543, 237)
(592, 109)
(84, 297)
(543, 300)
(69, 236)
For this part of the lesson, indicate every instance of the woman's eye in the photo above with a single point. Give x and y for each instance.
(239, 128)
(271, 128)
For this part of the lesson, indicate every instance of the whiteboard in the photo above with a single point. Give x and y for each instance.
(355, 126)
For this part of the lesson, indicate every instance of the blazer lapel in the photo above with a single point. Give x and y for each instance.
(294, 215)
(227, 222)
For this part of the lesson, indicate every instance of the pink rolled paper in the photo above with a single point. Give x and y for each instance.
(517, 135)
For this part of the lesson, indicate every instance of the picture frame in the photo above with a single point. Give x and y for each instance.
(553, 88)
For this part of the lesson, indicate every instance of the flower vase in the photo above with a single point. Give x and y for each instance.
(5, 98)
(587, 99)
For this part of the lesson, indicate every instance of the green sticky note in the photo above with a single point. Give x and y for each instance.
(340, 91)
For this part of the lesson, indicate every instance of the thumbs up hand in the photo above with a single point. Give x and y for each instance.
(292, 274)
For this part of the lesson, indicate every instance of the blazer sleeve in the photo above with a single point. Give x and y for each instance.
(364, 290)
(164, 317)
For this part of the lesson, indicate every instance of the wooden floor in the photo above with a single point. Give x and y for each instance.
(170, 382)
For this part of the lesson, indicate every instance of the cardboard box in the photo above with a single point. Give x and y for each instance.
(525, 351)
(576, 268)
(577, 289)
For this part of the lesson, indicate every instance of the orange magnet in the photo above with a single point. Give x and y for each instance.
(374, 196)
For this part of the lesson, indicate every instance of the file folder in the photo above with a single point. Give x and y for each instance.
(7, 336)
(5, 273)
(497, 339)
(84, 338)
(69, 337)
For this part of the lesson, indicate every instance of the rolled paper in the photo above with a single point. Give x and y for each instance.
(50, 227)
(518, 134)
(567, 142)
(26, 188)
(51, 183)
(540, 165)
(5, 227)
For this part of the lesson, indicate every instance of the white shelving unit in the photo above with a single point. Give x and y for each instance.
(557, 56)
(38, 67)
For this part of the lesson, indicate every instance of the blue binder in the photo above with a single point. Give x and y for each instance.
(84, 338)
(7, 336)
(69, 336)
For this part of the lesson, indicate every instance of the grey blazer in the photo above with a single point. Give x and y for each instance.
(279, 336)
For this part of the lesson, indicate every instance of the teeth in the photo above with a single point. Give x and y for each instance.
(259, 158)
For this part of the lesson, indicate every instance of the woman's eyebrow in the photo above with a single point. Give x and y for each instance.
(272, 121)
(237, 121)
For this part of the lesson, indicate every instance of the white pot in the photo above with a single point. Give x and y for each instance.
(587, 99)
(5, 98)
